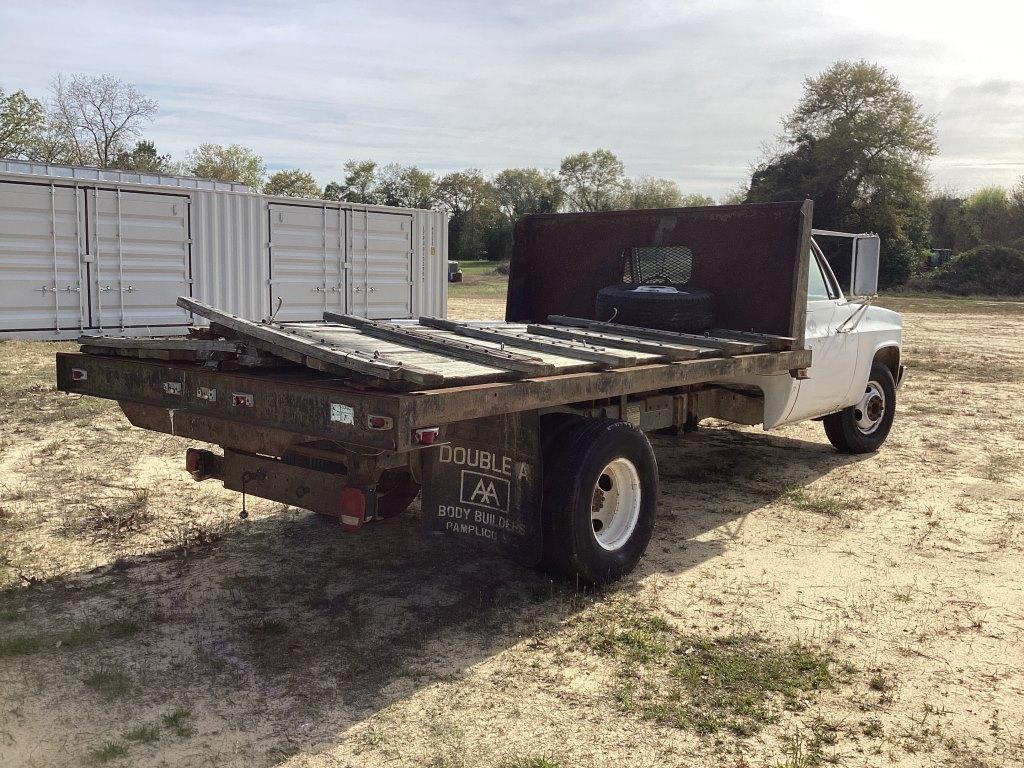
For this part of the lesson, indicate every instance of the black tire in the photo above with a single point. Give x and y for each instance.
(846, 429)
(573, 467)
(688, 310)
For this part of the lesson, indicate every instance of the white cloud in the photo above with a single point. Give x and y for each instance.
(689, 91)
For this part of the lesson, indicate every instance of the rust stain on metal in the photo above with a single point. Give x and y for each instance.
(750, 256)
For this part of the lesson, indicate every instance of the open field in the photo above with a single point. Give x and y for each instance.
(797, 607)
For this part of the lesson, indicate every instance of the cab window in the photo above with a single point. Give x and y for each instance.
(817, 287)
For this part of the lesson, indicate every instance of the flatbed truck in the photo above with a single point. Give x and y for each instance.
(528, 433)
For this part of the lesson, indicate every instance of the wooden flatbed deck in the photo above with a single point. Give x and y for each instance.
(418, 374)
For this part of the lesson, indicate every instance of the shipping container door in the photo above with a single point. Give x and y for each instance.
(138, 259)
(381, 258)
(307, 261)
(40, 271)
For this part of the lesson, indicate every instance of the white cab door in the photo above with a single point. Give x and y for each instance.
(381, 259)
(40, 247)
(833, 353)
(307, 261)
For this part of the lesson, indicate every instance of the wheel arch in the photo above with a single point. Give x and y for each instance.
(889, 356)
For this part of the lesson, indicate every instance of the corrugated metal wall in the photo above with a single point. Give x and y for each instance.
(229, 257)
(229, 253)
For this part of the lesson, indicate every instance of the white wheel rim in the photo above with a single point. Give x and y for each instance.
(870, 411)
(615, 507)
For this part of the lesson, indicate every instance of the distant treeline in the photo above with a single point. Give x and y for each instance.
(857, 144)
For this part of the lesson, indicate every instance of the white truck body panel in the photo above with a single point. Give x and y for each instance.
(845, 338)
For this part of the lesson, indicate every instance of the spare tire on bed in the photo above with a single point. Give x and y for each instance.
(670, 307)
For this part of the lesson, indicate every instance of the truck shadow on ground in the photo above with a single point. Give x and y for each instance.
(292, 625)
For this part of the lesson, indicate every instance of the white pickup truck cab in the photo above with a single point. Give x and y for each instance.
(855, 367)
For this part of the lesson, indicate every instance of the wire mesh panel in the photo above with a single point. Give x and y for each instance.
(645, 265)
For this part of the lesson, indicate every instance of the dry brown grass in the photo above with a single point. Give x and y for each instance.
(142, 623)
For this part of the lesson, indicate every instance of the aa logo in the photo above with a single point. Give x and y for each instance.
(485, 493)
(484, 490)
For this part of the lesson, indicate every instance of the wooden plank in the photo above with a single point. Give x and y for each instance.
(443, 406)
(770, 340)
(663, 348)
(595, 354)
(184, 343)
(562, 363)
(512, 361)
(339, 359)
(450, 367)
(179, 355)
(728, 346)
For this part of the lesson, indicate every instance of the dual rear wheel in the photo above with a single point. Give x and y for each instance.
(600, 495)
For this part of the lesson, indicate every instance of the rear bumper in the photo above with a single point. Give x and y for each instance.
(901, 375)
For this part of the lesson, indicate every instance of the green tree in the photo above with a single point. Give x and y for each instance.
(293, 183)
(649, 192)
(98, 116)
(990, 215)
(519, 192)
(592, 181)
(468, 197)
(144, 158)
(857, 144)
(696, 200)
(949, 224)
(406, 186)
(230, 163)
(360, 184)
(737, 197)
(22, 124)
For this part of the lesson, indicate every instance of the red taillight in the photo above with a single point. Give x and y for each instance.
(200, 463)
(192, 459)
(379, 422)
(426, 436)
(353, 508)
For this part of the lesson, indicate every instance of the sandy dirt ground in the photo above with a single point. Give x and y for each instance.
(797, 607)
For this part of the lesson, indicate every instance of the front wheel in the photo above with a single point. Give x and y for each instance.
(600, 496)
(863, 427)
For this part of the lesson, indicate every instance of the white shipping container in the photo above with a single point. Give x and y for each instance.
(84, 250)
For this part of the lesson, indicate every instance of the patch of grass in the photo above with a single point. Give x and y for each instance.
(830, 506)
(997, 467)
(282, 753)
(872, 728)
(640, 637)
(707, 684)
(20, 645)
(143, 734)
(89, 633)
(879, 682)
(800, 752)
(109, 683)
(118, 517)
(110, 750)
(269, 627)
(177, 722)
(530, 762)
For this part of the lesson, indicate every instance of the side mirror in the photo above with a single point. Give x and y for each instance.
(864, 270)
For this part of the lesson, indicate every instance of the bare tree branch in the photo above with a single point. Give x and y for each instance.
(99, 115)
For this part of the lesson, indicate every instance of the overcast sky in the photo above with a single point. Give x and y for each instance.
(688, 90)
